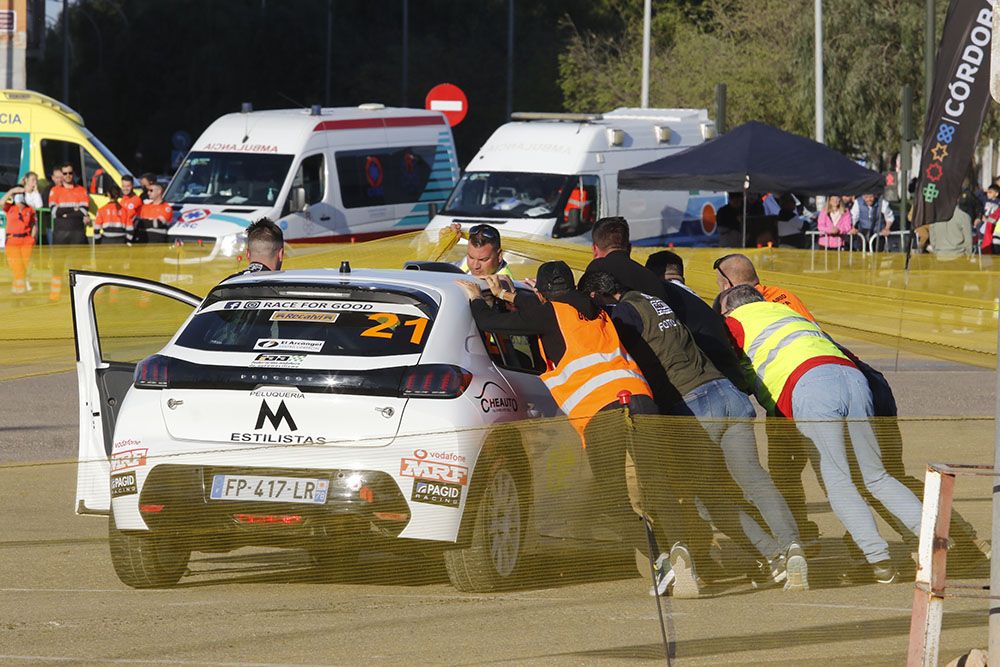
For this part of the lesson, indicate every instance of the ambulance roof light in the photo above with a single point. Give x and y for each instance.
(316, 110)
(371, 106)
(246, 107)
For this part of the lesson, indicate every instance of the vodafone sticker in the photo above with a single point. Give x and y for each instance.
(292, 344)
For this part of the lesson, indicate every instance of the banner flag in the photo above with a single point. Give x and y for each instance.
(959, 101)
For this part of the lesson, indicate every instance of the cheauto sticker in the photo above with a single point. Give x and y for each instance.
(503, 402)
(130, 458)
(278, 360)
(421, 467)
(291, 344)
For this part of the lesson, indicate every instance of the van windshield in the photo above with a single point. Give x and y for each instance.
(509, 194)
(243, 179)
(108, 155)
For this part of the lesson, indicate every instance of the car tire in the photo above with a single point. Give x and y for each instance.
(147, 559)
(495, 557)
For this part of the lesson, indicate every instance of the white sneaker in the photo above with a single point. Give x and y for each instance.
(686, 584)
(664, 576)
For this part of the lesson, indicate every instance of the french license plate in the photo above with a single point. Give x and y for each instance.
(270, 489)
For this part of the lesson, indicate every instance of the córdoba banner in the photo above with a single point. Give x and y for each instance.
(958, 105)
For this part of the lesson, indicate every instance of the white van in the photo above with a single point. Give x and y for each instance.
(323, 174)
(549, 175)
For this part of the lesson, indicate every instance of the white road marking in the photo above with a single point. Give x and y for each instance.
(77, 590)
(136, 661)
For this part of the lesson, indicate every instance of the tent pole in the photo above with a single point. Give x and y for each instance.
(746, 193)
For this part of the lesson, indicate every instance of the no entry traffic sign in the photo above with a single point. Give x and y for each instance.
(450, 100)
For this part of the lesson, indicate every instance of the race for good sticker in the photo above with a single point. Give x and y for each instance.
(291, 344)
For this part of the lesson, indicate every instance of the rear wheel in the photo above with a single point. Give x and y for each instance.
(495, 557)
(147, 559)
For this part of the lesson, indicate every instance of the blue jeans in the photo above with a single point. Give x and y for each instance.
(727, 416)
(822, 400)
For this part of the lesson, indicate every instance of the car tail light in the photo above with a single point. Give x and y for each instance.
(434, 381)
(152, 372)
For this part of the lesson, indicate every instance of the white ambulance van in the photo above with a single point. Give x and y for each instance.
(323, 174)
(548, 175)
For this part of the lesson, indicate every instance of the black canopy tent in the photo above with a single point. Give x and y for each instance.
(756, 155)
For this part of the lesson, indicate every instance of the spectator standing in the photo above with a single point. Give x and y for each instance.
(70, 208)
(155, 217)
(147, 181)
(834, 223)
(729, 220)
(55, 180)
(21, 222)
(872, 216)
(32, 197)
(791, 226)
(953, 237)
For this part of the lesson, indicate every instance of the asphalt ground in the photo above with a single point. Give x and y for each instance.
(61, 603)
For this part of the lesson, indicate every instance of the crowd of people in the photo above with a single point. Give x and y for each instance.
(635, 334)
(842, 221)
(130, 216)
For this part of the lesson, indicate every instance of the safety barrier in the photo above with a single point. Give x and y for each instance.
(946, 309)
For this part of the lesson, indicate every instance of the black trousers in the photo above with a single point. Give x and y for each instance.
(69, 231)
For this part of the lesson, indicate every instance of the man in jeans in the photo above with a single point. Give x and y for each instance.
(685, 383)
(801, 374)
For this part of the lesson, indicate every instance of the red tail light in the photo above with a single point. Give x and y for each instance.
(152, 372)
(435, 381)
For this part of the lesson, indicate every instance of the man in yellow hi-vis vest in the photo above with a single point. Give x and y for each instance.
(587, 368)
(799, 373)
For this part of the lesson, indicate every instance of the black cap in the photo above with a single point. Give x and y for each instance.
(554, 277)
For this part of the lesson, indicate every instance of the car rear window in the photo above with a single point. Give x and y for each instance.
(309, 326)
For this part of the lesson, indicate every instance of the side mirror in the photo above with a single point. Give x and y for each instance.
(432, 210)
(297, 199)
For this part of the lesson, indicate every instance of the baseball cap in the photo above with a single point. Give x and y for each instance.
(554, 277)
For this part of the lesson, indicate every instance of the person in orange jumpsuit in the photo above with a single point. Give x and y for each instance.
(130, 201)
(21, 224)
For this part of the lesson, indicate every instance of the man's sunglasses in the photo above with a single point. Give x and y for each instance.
(485, 231)
(717, 267)
(67, 173)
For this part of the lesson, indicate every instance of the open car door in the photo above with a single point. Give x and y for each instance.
(117, 322)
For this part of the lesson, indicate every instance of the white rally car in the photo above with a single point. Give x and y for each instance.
(319, 409)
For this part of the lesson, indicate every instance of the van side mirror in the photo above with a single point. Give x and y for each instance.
(297, 199)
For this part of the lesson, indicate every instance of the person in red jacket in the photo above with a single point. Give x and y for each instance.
(20, 238)
(70, 207)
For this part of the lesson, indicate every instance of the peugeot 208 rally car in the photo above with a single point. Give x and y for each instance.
(318, 410)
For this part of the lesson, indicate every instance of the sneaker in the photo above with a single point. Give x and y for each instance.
(686, 583)
(796, 569)
(885, 572)
(768, 572)
(664, 576)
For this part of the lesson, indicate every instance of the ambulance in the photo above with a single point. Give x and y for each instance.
(552, 175)
(323, 174)
(38, 133)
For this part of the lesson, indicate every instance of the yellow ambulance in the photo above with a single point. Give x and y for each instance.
(38, 133)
